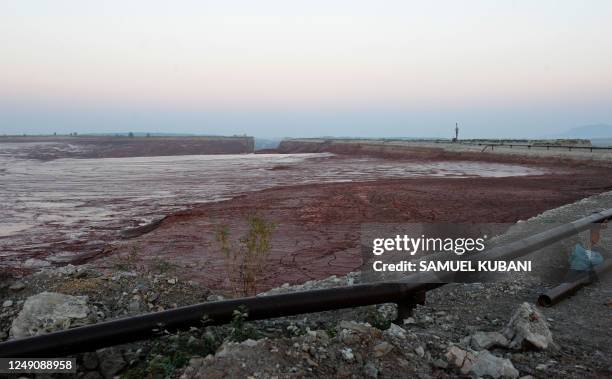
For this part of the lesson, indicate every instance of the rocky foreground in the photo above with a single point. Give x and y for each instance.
(464, 330)
(472, 330)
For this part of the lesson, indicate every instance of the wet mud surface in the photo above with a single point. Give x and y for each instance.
(318, 226)
(169, 208)
(65, 210)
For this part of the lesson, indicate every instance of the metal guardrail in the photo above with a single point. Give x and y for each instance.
(405, 294)
(529, 146)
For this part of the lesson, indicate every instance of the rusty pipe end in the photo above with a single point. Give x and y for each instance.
(545, 301)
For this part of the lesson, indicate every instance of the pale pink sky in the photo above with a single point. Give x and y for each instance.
(66, 57)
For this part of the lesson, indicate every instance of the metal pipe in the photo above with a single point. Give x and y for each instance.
(591, 148)
(92, 337)
(564, 290)
(129, 329)
(533, 243)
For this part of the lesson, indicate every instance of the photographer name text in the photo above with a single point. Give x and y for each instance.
(453, 266)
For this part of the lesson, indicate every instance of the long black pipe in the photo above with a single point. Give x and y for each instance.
(129, 329)
(533, 243)
(564, 290)
(92, 337)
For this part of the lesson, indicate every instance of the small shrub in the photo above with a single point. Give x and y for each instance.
(166, 366)
(379, 321)
(240, 330)
(245, 262)
(174, 350)
(332, 332)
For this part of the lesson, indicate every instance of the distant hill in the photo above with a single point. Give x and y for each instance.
(599, 131)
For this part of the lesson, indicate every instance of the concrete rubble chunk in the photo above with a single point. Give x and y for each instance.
(460, 358)
(347, 354)
(49, 311)
(481, 364)
(354, 326)
(486, 340)
(487, 364)
(396, 331)
(420, 351)
(382, 349)
(528, 328)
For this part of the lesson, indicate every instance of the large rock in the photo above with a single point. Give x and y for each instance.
(487, 364)
(396, 331)
(481, 363)
(382, 349)
(485, 340)
(461, 359)
(47, 312)
(528, 328)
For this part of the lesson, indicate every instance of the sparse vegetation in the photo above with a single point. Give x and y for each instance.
(378, 320)
(245, 262)
(130, 261)
(165, 366)
(331, 332)
(173, 352)
(240, 330)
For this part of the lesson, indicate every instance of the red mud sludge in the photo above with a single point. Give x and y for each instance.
(76, 210)
(64, 207)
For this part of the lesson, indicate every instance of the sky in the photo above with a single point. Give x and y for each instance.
(278, 68)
